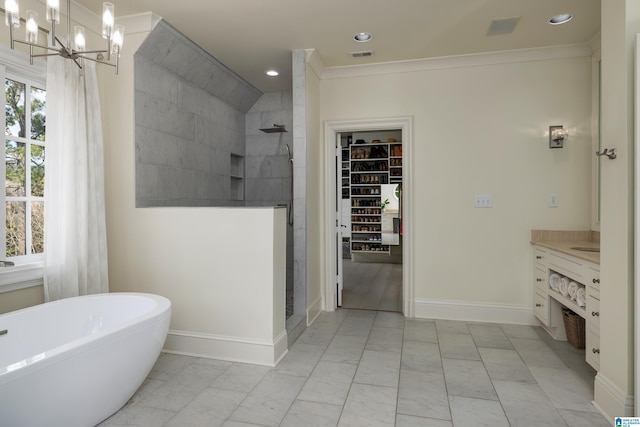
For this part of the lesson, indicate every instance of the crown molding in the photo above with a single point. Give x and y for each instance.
(315, 62)
(17, 62)
(137, 23)
(458, 61)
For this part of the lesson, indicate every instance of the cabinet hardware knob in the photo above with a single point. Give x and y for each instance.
(538, 305)
(595, 350)
(538, 257)
(538, 280)
(595, 313)
(596, 280)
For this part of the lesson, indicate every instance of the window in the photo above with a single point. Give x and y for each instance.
(22, 219)
(24, 168)
(23, 147)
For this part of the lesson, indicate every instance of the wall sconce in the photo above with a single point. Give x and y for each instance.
(557, 135)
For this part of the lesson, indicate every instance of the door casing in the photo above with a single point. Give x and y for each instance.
(331, 130)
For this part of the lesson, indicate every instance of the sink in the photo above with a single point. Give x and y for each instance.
(586, 249)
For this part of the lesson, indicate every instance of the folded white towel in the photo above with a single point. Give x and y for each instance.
(581, 297)
(573, 289)
(554, 282)
(564, 286)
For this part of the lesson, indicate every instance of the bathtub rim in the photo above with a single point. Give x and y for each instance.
(75, 347)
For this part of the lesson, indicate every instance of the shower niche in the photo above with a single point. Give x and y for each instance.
(236, 190)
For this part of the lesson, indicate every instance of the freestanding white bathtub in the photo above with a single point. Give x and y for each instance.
(76, 361)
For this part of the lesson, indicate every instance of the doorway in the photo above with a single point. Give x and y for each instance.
(368, 253)
(369, 179)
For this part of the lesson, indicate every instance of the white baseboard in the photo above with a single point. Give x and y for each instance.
(314, 310)
(474, 312)
(227, 348)
(610, 400)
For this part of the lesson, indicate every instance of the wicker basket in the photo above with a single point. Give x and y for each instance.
(574, 325)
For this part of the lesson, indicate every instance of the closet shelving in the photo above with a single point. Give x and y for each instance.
(395, 163)
(370, 166)
(345, 169)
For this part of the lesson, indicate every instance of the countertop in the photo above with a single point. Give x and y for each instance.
(565, 246)
(563, 241)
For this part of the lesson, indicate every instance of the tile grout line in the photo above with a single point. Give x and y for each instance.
(314, 368)
(444, 377)
(356, 371)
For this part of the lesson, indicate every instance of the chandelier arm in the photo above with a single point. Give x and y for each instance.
(39, 45)
(84, 52)
(95, 60)
(60, 43)
(38, 55)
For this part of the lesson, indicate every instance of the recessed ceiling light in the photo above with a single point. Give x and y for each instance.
(272, 73)
(362, 37)
(560, 19)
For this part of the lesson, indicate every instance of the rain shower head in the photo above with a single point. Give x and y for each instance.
(275, 129)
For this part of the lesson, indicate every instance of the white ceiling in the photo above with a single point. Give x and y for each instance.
(250, 36)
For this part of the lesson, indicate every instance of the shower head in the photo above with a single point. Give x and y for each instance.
(275, 129)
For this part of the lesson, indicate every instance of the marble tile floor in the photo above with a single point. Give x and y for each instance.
(368, 368)
(372, 286)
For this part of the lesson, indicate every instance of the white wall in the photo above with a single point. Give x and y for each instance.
(482, 129)
(21, 298)
(614, 386)
(218, 266)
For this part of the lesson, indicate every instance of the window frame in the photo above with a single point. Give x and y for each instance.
(29, 269)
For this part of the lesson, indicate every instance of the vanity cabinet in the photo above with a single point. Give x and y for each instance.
(540, 285)
(550, 266)
(592, 347)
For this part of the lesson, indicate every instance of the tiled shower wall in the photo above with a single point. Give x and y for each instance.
(268, 170)
(190, 123)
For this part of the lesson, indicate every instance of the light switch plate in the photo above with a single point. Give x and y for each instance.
(553, 200)
(483, 201)
(555, 143)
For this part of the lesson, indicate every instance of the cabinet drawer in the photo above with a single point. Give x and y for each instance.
(539, 256)
(592, 348)
(593, 311)
(568, 266)
(541, 307)
(541, 278)
(593, 276)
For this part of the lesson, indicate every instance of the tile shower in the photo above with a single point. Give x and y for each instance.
(197, 136)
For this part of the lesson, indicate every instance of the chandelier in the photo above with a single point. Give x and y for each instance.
(76, 51)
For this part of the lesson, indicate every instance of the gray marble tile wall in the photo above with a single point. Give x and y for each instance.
(299, 183)
(268, 173)
(190, 120)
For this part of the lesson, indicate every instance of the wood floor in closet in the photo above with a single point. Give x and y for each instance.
(372, 286)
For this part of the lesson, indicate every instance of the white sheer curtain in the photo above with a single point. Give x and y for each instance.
(75, 228)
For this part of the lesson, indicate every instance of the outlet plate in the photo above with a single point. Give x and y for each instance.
(553, 200)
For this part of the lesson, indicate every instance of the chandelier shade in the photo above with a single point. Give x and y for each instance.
(75, 47)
